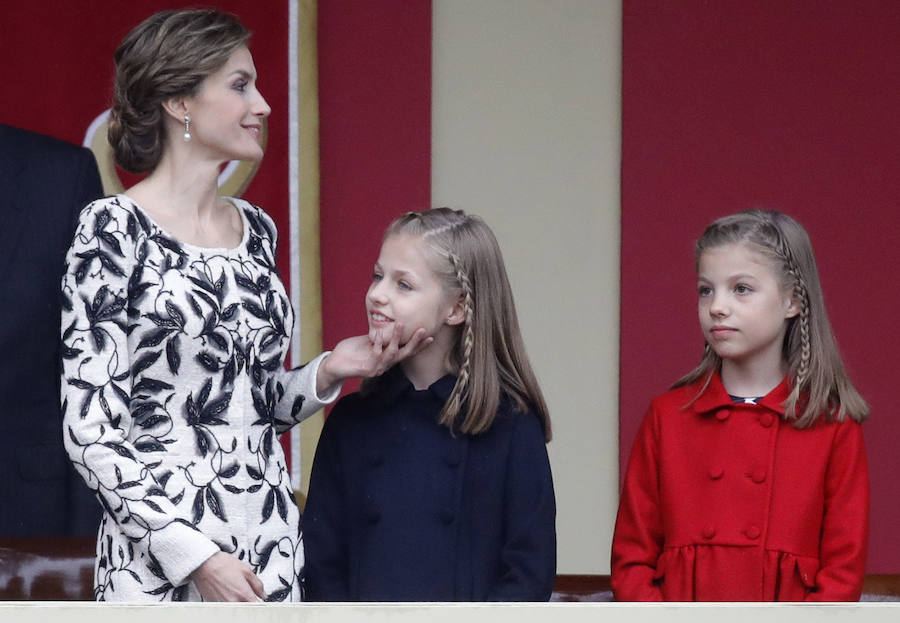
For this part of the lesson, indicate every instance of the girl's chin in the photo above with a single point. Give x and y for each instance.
(386, 334)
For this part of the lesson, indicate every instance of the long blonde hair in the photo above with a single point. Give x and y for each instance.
(819, 382)
(489, 355)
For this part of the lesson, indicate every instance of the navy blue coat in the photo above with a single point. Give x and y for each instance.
(401, 510)
(44, 184)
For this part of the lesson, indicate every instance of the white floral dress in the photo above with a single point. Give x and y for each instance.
(174, 392)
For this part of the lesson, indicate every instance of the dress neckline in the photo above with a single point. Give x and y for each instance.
(245, 225)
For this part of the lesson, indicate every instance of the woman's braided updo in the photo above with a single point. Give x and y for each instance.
(168, 55)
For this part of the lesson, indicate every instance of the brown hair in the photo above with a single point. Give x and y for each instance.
(489, 356)
(819, 382)
(167, 55)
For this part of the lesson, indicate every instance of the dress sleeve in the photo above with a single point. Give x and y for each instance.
(845, 529)
(324, 522)
(298, 397)
(638, 537)
(528, 557)
(96, 388)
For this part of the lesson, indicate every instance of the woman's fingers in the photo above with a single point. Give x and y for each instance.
(256, 584)
(416, 343)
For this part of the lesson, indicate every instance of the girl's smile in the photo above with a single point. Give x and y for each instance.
(406, 293)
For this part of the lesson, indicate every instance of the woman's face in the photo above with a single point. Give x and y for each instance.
(227, 112)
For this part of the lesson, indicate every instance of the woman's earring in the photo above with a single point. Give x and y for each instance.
(187, 128)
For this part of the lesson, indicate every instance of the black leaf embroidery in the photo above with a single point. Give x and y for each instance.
(150, 445)
(208, 361)
(195, 306)
(298, 405)
(110, 240)
(165, 588)
(143, 362)
(228, 312)
(266, 552)
(151, 385)
(202, 441)
(230, 471)
(152, 338)
(215, 503)
(198, 507)
(254, 309)
(172, 354)
(280, 503)
(204, 393)
(246, 283)
(268, 505)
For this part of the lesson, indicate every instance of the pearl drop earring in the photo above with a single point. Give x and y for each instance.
(187, 128)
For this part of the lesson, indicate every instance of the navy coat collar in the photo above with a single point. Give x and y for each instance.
(393, 385)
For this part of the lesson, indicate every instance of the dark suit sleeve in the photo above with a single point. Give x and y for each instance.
(88, 185)
(325, 521)
(528, 557)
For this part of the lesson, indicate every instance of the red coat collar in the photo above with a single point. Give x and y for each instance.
(715, 397)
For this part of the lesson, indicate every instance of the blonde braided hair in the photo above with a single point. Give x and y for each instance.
(489, 357)
(458, 396)
(819, 382)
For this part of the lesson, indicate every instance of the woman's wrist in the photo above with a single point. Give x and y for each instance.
(325, 376)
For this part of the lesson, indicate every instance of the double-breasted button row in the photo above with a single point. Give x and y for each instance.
(757, 475)
(445, 515)
(751, 532)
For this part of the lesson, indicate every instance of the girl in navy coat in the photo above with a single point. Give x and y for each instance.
(433, 483)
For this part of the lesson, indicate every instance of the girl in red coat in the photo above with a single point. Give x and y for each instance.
(748, 480)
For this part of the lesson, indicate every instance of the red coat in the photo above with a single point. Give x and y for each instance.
(728, 502)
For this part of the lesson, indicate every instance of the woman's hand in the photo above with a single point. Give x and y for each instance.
(360, 357)
(225, 578)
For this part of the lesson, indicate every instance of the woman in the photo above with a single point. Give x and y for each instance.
(175, 328)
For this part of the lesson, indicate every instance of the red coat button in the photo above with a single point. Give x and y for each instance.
(766, 419)
(752, 532)
(709, 532)
(722, 414)
(758, 476)
(716, 472)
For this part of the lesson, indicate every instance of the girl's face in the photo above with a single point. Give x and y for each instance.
(405, 289)
(743, 308)
(228, 111)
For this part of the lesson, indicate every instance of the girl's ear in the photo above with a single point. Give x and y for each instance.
(457, 313)
(793, 307)
(176, 108)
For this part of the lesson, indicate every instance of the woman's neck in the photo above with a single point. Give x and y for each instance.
(179, 189)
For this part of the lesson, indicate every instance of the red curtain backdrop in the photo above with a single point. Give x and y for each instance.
(375, 141)
(780, 105)
(59, 62)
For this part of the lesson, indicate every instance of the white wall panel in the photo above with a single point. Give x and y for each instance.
(526, 133)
